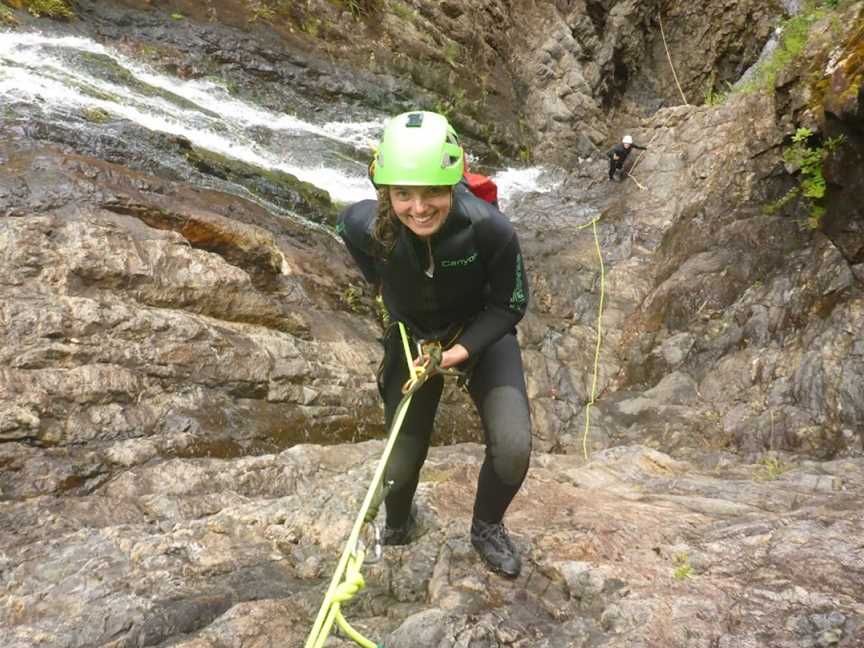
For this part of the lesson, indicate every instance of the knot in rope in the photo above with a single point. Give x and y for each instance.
(432, 353)
(348, 588)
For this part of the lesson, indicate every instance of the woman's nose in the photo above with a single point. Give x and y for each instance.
(419, 205)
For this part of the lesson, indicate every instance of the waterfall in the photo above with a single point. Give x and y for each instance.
(62, 75)
(792, 7)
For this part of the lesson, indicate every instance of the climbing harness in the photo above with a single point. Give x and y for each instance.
(347, 579)
(596, 372)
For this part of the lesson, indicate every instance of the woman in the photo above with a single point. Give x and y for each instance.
(449, 267)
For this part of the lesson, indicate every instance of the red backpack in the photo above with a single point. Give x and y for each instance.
(482, 186)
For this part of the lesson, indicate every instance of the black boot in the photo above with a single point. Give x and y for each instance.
(495, 547)
(402, 534)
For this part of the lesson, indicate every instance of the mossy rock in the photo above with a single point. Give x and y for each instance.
(7, 17)
(96, 115)
(280, 188)
(105, 67)
(39, 8)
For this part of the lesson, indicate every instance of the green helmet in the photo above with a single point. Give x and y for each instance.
(418, 148)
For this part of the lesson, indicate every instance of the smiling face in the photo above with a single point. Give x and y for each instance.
(423, 210)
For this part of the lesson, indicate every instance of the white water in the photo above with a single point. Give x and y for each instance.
(792, 8)
(43, 69)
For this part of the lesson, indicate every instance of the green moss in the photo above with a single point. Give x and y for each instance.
(311, 26)
(96, 115)
(403, 11)
(770, 469)
(177, 16)
(49, 8)
(105, 67)
(795, 33)
(7, 17)
(352, 298)
(683, 568)
(280, 188)
(260, 10)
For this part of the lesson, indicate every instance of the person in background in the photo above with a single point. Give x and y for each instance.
(618, 153)
(449, 267)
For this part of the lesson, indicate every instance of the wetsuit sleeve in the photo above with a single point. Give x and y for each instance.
(352, 226)
(507, 300)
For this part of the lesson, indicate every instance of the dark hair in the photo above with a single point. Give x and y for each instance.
(386, 224)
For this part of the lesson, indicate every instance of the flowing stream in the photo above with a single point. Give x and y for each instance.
(64, 77)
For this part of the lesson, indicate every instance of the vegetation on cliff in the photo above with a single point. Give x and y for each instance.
(50, 8)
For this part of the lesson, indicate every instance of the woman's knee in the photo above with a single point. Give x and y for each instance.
(511, 462)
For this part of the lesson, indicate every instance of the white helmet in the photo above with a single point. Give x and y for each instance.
(627, 139)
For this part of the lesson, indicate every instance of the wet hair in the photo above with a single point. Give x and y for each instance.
(386, 228)
(386, 224)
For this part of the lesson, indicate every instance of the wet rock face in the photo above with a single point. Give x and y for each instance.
(582, 62)
(137, 310)
(207, 552)
(722, 326)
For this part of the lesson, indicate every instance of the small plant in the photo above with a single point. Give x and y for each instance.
(683, 568)
(771, 468)
(361, 7)
(712, 97)
(808, 159)
(311, 27)
(403, 11)
(260, 10)
(177, 16)
(351, 296)
(452, 52)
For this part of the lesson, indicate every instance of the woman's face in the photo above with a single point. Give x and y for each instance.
(423, 210)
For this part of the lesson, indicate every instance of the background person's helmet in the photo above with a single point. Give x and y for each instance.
(627, 139)
(418, 148)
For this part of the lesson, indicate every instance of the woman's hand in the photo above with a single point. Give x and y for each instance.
(455, 355)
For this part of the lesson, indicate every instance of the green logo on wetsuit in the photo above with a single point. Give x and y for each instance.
(455, 263)
(517, 299)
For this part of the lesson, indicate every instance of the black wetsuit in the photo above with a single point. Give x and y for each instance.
(621, 152)
(475, 297)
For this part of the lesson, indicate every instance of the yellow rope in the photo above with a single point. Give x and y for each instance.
(668, 56)
(347, 579)
(596, 373)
